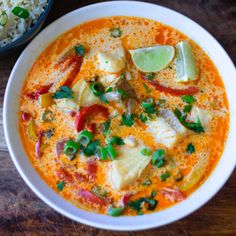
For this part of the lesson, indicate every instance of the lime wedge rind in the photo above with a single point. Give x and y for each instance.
(152, 59)
(185, 63)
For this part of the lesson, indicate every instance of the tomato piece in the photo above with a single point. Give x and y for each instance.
(91, 169)
(91, 127)
(85, 112)
(126, 198)
(80, 177)
(172, 194)
(172, 91)
(25, 116)
(63, 174)
(92, 198)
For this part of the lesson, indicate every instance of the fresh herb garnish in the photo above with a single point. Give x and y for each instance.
(127, 119)
(106, 126)
(115, 140)
(153, 194)
(122, 93)
(103, 98)
(61, 185)
(194, 126)
(63, 92)
(165, 176)
(137, 205)
(79, 50)
(158, 157)
(115, 32)
(90, 149)
(187, 108)
(20, 12)
(143, 118)
(190, 148)
(188, 99)
(97, 88)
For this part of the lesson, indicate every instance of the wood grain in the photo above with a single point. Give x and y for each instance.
(23, 213)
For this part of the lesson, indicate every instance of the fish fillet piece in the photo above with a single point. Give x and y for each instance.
(113, 61)
(128, 166)
(162, 132)
(198, 113)
(173, 121)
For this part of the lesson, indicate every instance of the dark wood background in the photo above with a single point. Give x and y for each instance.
(23, 213)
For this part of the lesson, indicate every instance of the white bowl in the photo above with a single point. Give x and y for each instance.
(11, 104)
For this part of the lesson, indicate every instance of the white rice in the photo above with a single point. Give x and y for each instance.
(16, 26)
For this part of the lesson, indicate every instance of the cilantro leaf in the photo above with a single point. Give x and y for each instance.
(127, 119)
(188, 99)
(190, 148)
(194, 126)
(61, 185)
(63, 92)
(79, 50)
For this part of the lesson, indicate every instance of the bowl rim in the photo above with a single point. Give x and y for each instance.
(125, 223)
(31, 32)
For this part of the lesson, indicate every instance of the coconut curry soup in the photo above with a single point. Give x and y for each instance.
(123, 116)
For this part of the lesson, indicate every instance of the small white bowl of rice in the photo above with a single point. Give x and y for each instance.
(20, 21)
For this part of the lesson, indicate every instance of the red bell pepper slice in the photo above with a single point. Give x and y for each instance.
(85, 112)
(75, 62)
(172, 91)
(41, 90)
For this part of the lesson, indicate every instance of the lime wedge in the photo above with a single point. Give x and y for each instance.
(186, 66)
(152, 59)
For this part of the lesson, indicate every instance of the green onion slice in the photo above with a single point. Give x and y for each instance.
(3, 18)
(115, 32)
(101, 153)
(115, 211)
(111, 151)
(84, 137)
(71, 147)
(21, 12)
(147, 103)
(97, 88)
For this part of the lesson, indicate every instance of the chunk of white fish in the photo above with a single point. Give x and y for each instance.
(113, 61)
(173, 121)
(203, 115)
(128, 166)
(162, 132)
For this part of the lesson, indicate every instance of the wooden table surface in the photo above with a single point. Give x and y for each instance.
(23, 213)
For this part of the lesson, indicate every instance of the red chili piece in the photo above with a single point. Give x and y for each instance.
(85, 112)
(172, 91)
